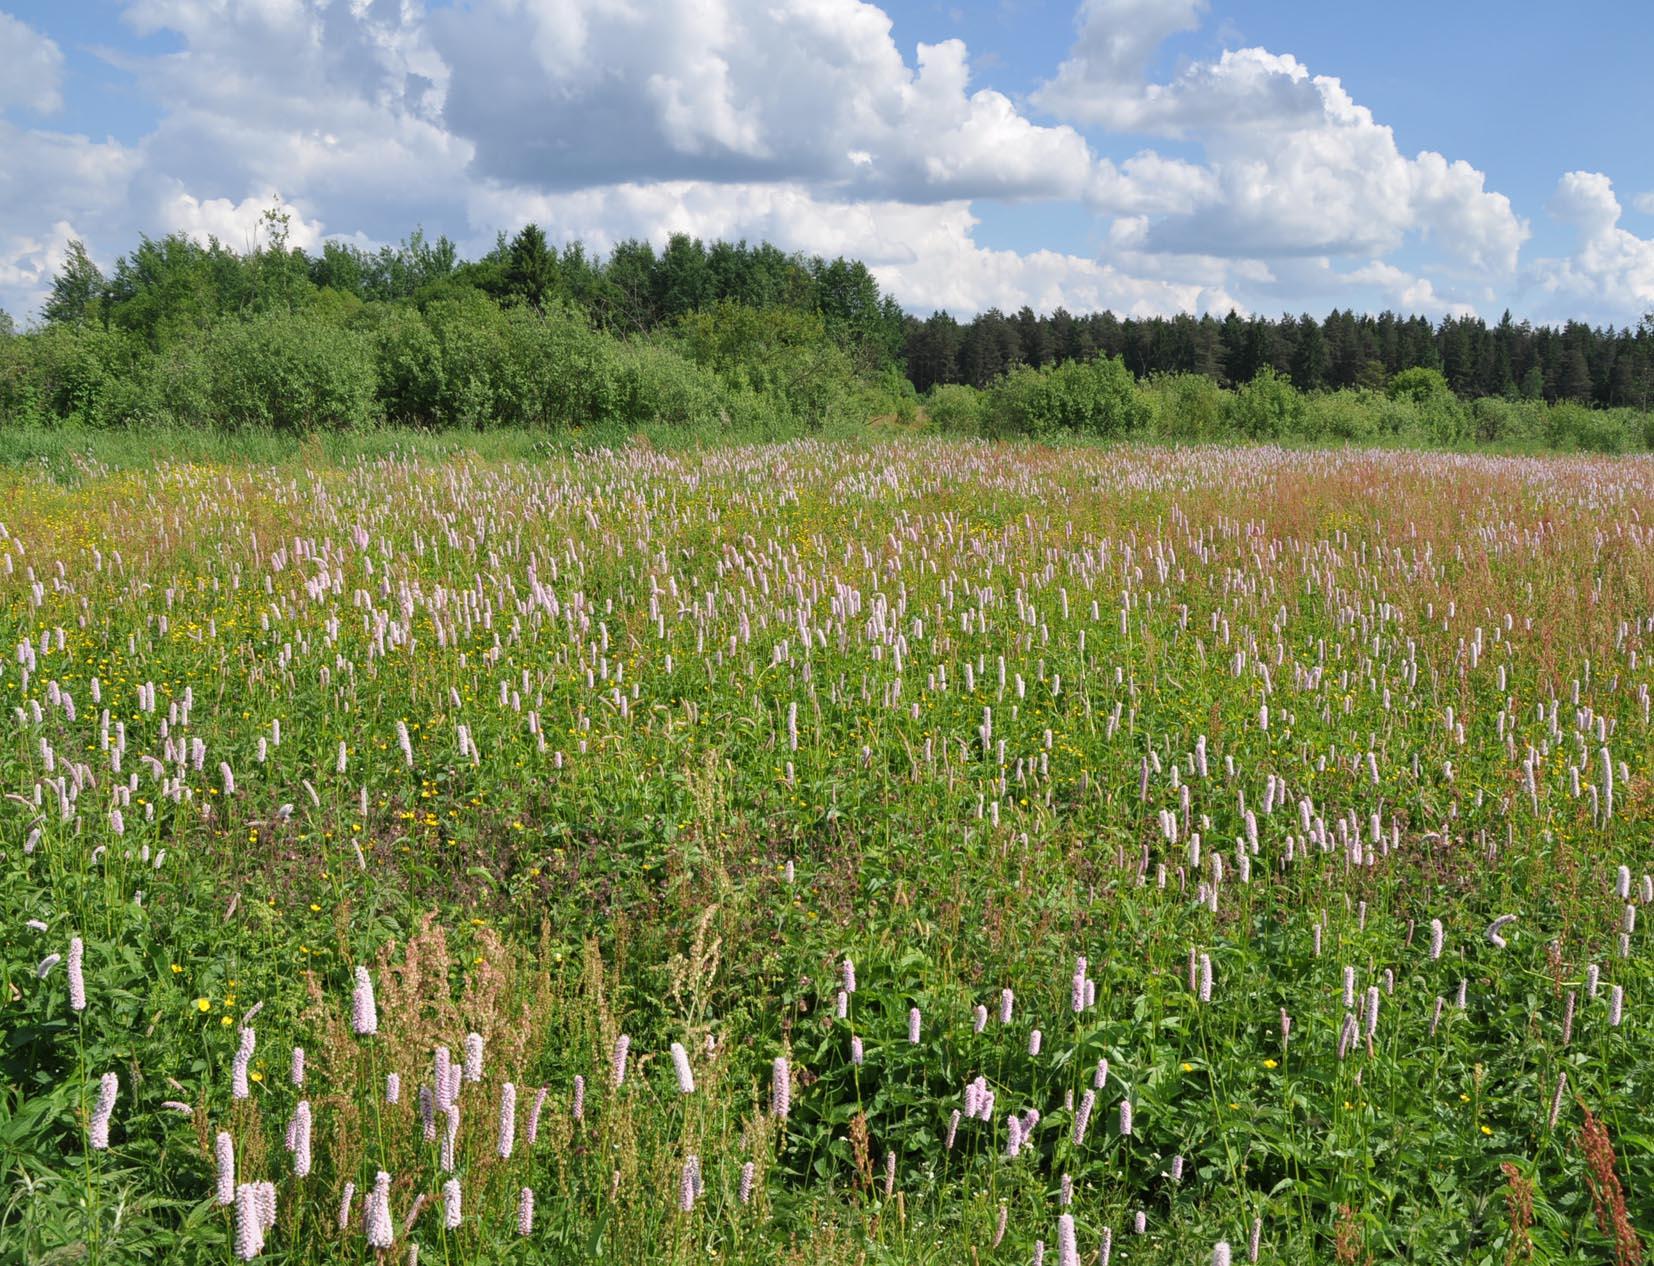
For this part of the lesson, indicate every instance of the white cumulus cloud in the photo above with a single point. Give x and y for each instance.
(31, 68)
(1611, 269)
(924, 252)
(587, 92)
(1241, 177)
(1294, 166)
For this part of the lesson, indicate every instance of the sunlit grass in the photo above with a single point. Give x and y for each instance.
(563, 744)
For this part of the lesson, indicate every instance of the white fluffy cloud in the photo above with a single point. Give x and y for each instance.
(1103, 79)
(574, 93)
(337, 104)
(239, 225)
(1294, 167)
(926, 253)
(31, 68)
(53, 188)
(1404, 291)
(799, 121)
(1612, 269)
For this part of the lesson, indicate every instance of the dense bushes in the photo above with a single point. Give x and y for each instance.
(1096, 397)
(86, 373)
(739, 338)
(455, 357)
(1266, 408)
(955, 408)
(189, 334)
(1185, 407)
(461, 361)
(1416, 407)
(289, 374)
(783, 356)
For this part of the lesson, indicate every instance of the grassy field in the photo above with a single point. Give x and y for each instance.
(924, 852)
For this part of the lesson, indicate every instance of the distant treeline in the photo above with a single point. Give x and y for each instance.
(1512, 359)
(739, 338)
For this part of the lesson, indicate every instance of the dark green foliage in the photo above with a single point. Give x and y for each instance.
(531, 268)
(1268, 407)
(682, 283)
(174, 288)
(288, 373)
(75, 289)
(1309, 359)
(1095, 397)
(1613, 367)
(529, 337)
(782, 354)
(848, 299)
(932, 350)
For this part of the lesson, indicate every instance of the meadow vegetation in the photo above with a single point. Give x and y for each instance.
(853, 852)
(732, 341)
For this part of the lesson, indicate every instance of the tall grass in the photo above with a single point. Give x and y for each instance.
(1170, 757)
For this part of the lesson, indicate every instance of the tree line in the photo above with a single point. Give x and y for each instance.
(739, 337)
(731, 336)
(172, 285)
(1611, 367)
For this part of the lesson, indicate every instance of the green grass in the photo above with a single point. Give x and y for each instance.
(68, 453)
(649, 743)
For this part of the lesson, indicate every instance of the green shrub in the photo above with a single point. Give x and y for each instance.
(1185, 407)
(408, 368)
(555, 373)
(71, 373)
(172, 387)
(955, 408)
(782, 354)
(1529, 422)
(285, 372)
(470, 338)
(1444, 420)
(1394, 418)
(1097, 397)
(1601, 433)
(1419, 385)
(1571, 425)
(1268, 407)
(658, 386)
(1492, 419)
(1340, 415)
(891, 393)
(22, 401)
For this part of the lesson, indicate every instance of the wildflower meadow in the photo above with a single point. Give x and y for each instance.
(945, 852)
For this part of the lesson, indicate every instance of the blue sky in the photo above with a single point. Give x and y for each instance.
(1142, 155)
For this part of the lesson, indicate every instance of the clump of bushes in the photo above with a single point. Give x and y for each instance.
(955, 409)
(1416, 407)
(1186, 408)
(1267, 408)
(1097, 397)
(284, 372)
